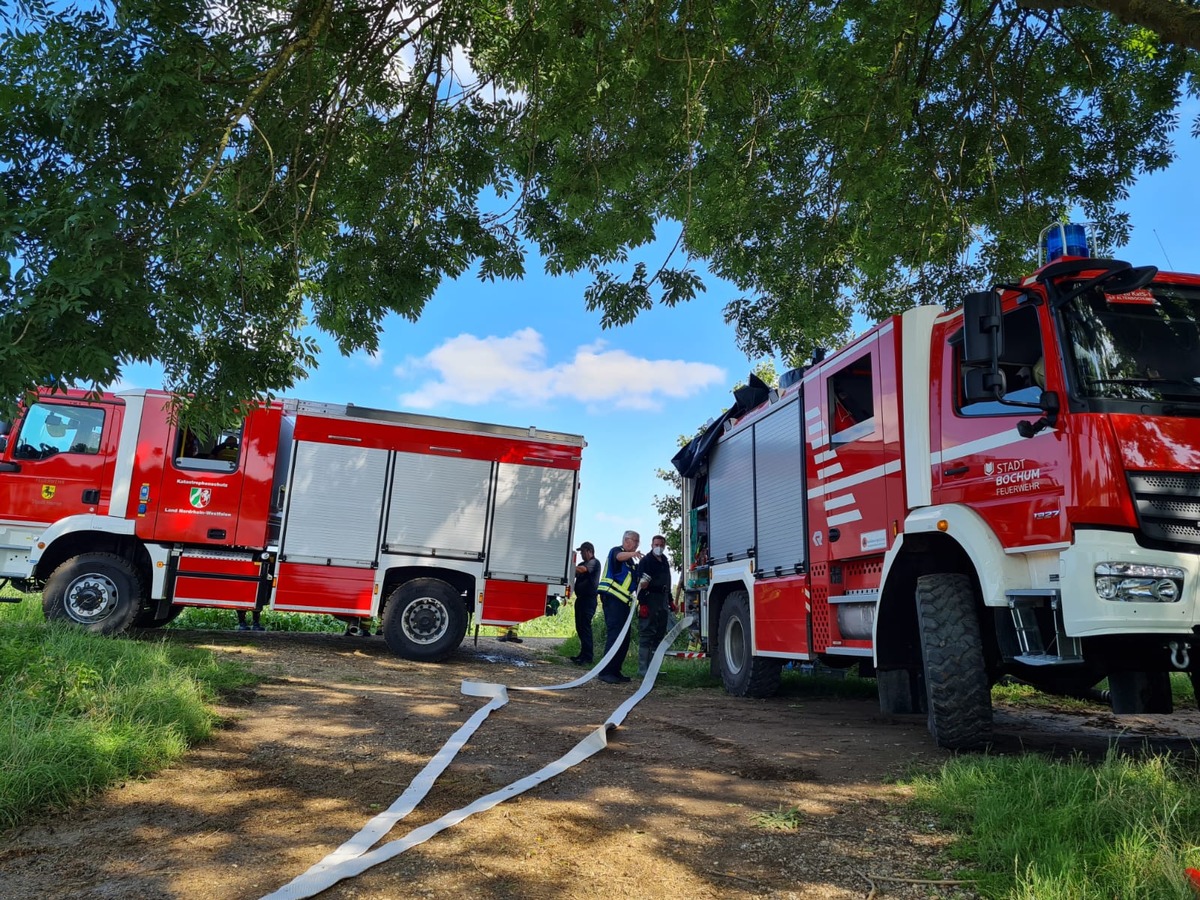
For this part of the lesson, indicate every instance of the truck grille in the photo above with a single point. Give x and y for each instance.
(1168, 505)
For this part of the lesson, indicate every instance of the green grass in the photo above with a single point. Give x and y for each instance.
(780, 819)
(695, 673)
(196, 617)
(80, 712)
(29, 609)
(1036, 829)
(1028, 697)
(1023, 695)
(688, 673)
(558, 626)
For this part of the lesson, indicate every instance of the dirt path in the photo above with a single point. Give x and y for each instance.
(340, 726)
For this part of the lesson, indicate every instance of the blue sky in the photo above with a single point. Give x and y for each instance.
(528, 353)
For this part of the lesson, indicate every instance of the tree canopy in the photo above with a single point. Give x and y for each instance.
(195, 182)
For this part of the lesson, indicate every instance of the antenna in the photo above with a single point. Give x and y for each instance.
(1162, 248)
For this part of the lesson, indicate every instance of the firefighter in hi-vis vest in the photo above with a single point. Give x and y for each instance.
(616, 593)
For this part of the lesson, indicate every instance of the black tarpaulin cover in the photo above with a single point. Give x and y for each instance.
(690, 459)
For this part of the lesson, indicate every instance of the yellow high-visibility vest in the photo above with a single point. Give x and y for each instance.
(621, 589)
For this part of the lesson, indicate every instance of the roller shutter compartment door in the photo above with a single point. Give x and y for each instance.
(531, 525)
(731, 497)
(779, 490)
(439, 505)
(335, 504)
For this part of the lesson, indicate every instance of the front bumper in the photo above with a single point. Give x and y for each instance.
(1086, 614)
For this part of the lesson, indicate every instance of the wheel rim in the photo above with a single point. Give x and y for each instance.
(735, 646)
(91, 598)
(425, 621)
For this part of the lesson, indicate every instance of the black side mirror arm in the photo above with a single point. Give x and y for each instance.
(1049, 403)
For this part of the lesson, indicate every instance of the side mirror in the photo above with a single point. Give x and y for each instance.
(983, 341)
(980, 384)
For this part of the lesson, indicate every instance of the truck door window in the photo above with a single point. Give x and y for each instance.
(50, 429)
(219, 453)
(852, 401)
(1023, 365)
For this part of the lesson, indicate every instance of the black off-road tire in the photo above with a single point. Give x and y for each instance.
(742, 674)
(1132, 693)
(100, 592)
(424, 620)
(957, 692)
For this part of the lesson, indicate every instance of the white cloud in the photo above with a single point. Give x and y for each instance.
(371, 360)
(472, 370)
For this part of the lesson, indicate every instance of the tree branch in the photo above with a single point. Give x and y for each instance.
(302, 43)
(1171, 20)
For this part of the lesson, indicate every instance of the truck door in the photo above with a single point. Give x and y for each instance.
(1016, 484)
(853, 477)
(197, 496)
(849, 472)
(59, 461)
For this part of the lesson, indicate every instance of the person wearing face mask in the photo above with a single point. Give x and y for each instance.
(653, 576)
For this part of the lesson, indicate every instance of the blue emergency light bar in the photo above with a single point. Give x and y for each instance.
(1059, 240)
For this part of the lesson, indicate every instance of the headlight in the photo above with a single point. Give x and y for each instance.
(1136, 583)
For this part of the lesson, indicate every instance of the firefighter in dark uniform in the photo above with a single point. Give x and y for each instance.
(653, 576)
(587, 580)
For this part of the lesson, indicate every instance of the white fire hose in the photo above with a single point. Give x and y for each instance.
(355, 856)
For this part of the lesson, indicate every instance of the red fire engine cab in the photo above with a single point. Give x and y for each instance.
(1008, 488)
(123, 517)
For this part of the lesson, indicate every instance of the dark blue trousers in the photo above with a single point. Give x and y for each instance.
(585, 611)
(615, 614)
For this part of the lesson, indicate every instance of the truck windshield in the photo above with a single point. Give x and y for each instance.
(1141, 346)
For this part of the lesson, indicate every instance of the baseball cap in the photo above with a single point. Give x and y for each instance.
(586, 545)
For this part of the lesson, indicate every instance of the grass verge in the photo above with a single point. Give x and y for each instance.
(1036, 829)
(1017, 694)
(556, 626)
(80, 712)
(795, 681)
(199, 618)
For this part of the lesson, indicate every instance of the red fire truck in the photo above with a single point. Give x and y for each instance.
(123, 517)
(1008, 488)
